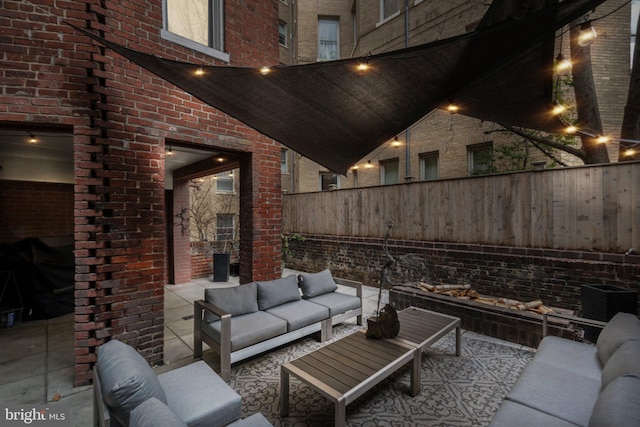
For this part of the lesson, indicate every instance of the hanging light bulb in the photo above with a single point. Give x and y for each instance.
(199, 71)
(629, 152)
(169, 151)
(587, 34)
(395, 142)
(571, 129)
(265, 70)
(562, 65)
(558, 109)
(452, 108)
(32, 138)
(602, 139)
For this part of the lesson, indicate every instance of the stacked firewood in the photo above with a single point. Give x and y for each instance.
(465, 292)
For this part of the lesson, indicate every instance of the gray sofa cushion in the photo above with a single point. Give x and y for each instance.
(200, 397)
(337, 302)
(277, 292)
(314, 284)
(235, 300)
(126, 378)
(572, 356)
(299, 314)
(153, 413)
(255, 420)
(511, 414)
(622, 327)
(618, 404)
(625, 361)
(244, 331)
(558, 392)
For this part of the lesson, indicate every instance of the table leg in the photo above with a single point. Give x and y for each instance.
(416, 370)
(458, 344)
(341, 413)
(284, 393)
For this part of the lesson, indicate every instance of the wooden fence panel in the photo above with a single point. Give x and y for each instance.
(585, 208)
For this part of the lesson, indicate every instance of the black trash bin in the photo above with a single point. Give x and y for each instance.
(602, 302)
(221, 267)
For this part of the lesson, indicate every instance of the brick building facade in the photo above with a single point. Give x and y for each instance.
(120, 119)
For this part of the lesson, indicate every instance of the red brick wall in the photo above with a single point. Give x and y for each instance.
(121, 116)
(35, 209)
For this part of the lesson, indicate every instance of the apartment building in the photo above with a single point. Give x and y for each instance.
(442, 144)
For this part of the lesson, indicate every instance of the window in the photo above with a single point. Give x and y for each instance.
(196, 24)
(284, 160)
(224, 182)
(635, 11)
(328, 39)
(480, 159)
(388, 8)
(328, 181)
(224, 226)
(282, 33)
(429, 166)
(389, 171)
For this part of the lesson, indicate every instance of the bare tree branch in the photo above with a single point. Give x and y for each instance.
(549, 142)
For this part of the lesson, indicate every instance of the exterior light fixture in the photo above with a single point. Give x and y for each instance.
(587, 34)
(558, 109)
(562, 65)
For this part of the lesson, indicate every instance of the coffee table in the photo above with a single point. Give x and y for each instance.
(346, 369)
(349, 367)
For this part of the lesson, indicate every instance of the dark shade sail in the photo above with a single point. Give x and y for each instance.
(335, 115)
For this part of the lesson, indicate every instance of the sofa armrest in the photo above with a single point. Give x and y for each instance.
(351, 284)
(199, 308)
(571, 318)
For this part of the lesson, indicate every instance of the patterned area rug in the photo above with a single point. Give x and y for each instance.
(456, 391)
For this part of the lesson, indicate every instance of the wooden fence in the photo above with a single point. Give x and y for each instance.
(583, 208)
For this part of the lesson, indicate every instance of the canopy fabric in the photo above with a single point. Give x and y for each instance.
(335, 115)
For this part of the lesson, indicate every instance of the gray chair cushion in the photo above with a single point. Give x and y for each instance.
(511, 414)
(244, 331)
(558, 392)
(314, 284)
(235, 300)
(299, 314)
(572, 356)
(625, 361)
(618, 404)
(126, 378)
(337, 302)
(255, 420)
(277, 292)
(153, 413)
(200, 397)
(622, 327)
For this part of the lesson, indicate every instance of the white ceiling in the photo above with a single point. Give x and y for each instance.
(50, 159)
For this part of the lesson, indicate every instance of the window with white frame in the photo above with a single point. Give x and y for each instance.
(328, 33)
(389, 8)
(389, 171)
(225, 226)
(328, 181)
(284, 160)
(635, 12)
(196, 24)
(224, 182)
(429, 166)
(282, 33)
(480, 158)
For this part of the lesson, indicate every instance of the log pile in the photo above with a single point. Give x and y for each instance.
(465, 292)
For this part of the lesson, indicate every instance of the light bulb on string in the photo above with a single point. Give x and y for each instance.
(587, 34)
(562, 66)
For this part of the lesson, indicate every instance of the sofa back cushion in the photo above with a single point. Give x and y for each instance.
(126, 379)
(235, 300)
(314, 284)
(622, 327)
(278, 292)
(153, 413)
(618, 404)
(625, 361)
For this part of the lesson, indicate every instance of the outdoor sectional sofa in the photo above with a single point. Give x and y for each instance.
(127, 392)
(246, 320)
(570, 383)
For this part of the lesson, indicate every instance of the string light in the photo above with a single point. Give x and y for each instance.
(395, 142)
(452, 108)
(265, 70)
(562, 66)
(32, 138)
(603, 139)
(587, 34)
(199, 71)
(169, 152)
(571, 129)
(559, 109)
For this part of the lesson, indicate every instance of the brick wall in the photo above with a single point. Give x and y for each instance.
(30, 209)
(121, 116)
(527, 274)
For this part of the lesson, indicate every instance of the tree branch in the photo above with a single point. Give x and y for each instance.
(549, 142)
